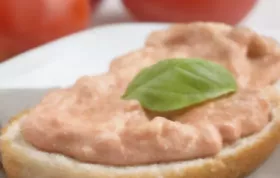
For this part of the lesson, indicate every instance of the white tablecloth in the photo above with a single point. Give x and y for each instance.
(266, 14)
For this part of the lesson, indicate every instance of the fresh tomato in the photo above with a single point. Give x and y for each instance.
(25, 24)
(227, 11)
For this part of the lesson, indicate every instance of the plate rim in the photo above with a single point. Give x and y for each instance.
(16, 62)
(26, 58)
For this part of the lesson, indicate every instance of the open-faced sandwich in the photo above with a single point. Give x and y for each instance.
(197, 101)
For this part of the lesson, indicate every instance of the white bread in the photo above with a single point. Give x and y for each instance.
(21, 160)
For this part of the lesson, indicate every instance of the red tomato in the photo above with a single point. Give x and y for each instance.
(228, 11)
(25, 24)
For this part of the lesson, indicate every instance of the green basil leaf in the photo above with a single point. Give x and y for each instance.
(174, 84)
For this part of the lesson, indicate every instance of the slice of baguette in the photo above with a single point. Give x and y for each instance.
(21, 160)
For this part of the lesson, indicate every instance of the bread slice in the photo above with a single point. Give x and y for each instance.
(21, 160)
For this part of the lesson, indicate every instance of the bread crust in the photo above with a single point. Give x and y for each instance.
(21, 160)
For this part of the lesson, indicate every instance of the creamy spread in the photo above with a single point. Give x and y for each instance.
(90, 122)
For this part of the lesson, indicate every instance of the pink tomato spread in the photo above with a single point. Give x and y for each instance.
(91, 123)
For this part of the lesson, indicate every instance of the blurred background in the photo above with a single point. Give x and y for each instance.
(26, 24)
(257, 13)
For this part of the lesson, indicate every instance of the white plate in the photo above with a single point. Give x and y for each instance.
(60, 63)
